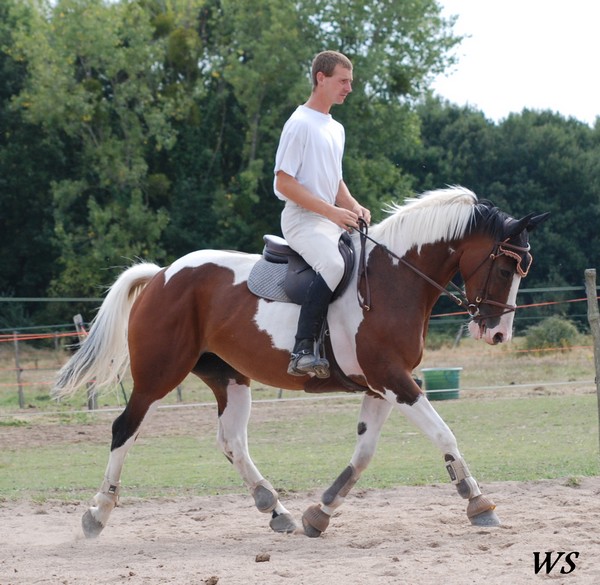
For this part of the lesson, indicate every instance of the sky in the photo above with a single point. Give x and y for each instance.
(535, 54)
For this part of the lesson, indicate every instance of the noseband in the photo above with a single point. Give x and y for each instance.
(524, 260)
(519, 253)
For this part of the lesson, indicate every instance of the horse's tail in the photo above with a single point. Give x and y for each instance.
(104, 356)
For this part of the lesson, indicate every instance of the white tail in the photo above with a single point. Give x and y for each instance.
(103, 357)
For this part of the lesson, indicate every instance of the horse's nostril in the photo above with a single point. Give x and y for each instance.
(498, 338)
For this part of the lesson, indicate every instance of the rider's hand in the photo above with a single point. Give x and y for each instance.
(363, 213)
(344, 218)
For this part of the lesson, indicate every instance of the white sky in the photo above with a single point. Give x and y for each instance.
(536, 54)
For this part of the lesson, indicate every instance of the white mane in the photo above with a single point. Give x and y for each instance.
(443, 214)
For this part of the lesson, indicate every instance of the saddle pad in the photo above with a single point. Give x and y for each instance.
(266, 280)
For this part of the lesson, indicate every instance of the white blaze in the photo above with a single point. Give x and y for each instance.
(505, 326)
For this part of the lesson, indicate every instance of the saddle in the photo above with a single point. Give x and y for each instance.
(283, 275)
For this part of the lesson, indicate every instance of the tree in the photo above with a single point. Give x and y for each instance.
(27, 164)
(164, 116)
(92, 85)
(532, 161)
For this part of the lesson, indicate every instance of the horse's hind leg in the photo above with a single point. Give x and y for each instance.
(232, 391)
(480, 509)
(374, 412)
(125, 430)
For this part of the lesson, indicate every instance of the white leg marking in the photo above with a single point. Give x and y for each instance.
(373, 414)
(106, 499)
(232, 437)
(430, 423)
(232, 434)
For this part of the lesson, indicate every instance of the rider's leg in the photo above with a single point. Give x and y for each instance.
(312, 315)
(316, 239)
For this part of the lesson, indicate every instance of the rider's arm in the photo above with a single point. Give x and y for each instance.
(290, 188)
(344, 199)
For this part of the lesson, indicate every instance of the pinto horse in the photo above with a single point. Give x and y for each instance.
(197, 315)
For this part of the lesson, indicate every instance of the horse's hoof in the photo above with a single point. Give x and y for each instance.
(283, 523)
(91, 527)
(487, 518)
(314, 521)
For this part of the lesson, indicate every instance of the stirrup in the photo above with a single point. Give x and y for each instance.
(305, 362)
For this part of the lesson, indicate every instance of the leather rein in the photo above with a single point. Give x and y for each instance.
(520, 253)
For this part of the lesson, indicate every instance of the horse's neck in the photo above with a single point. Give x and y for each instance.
(438, 262)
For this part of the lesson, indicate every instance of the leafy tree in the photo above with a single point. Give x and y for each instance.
(164, 116)
(27, 164)
(532, 161)
(259, 55)
(92, 80)
(548, 163)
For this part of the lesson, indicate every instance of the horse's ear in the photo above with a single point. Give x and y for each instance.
(537, 220)
(529, 223)
(517, 226)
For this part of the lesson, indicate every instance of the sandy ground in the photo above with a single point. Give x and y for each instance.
(409, 535)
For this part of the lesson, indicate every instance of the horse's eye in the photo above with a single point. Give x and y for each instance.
(505, 273)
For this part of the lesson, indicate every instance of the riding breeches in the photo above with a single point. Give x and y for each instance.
(316, 239)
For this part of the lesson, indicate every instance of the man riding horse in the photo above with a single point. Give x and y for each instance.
(319, 206)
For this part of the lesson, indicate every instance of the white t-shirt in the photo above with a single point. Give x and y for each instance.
(310, 149)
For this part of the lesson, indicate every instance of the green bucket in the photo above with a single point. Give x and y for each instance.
(441, 383)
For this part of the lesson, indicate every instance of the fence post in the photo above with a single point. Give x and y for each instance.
(18, 370)
(594, 320)
(81, 333)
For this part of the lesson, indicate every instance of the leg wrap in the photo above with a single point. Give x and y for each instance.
(479, 505)
(265, 496)
(110, 490)
(461, 477)
(314, 521)
(340, 487)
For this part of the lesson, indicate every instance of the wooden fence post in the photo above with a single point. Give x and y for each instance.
(18, 370)
(594, 320)
(81, 333)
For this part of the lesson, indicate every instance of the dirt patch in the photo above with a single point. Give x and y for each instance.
(409, 535)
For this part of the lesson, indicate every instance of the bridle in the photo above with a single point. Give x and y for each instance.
(519, 253)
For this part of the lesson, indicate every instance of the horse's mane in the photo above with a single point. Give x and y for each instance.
(444, 214)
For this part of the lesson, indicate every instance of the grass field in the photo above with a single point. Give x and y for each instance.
(519, 417)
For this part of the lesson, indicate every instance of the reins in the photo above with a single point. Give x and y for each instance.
(458, 296)
(365, 303)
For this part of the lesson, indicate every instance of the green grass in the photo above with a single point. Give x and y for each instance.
(525, 438)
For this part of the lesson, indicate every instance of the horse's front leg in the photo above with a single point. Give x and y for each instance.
(234, 414)
(480, 509)
(374, 412)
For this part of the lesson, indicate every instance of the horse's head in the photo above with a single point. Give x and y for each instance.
(492, 277)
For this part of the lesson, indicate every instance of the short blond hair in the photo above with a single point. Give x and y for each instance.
(326, 61)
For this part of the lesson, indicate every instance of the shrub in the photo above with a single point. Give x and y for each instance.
(438, 340)
(553, 332)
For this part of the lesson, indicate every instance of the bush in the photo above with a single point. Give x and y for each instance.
(553, 332)
(438, 340)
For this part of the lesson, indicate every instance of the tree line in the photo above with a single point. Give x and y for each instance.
(148, 128)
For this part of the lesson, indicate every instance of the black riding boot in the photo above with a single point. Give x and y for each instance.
(312, 314)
